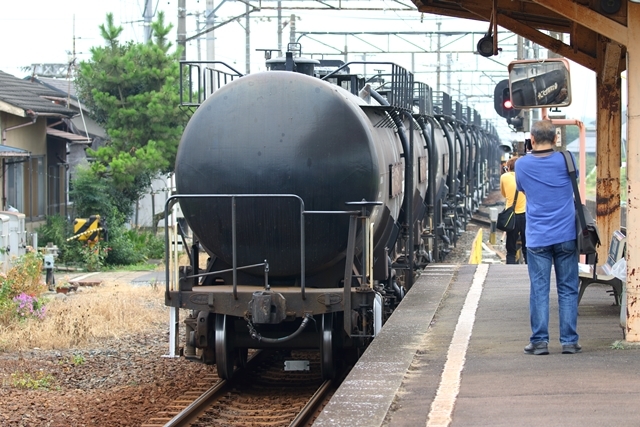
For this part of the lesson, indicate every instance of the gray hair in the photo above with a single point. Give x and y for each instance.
(543, 131)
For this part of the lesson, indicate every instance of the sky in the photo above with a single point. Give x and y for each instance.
(51, 31)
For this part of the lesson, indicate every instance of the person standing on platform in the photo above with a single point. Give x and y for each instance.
(551, 239)
(508, 190)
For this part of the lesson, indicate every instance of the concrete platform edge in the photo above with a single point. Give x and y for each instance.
(359, 400)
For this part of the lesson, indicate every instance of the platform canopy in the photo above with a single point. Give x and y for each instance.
(529, 18)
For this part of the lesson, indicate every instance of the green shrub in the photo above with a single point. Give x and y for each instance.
(146, 243)
(122, 249)
(56, 230)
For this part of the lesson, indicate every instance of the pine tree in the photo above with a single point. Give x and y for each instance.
(132, 90)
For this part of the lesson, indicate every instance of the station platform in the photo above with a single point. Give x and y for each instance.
(452, 355)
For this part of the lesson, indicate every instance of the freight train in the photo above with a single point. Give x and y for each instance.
(316, 194)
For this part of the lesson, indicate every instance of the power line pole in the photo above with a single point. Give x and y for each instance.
(279, 27)
(211, 39)
(148, 17)
(182, 28)
(247, 29)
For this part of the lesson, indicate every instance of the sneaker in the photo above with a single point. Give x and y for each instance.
(537, 349)
(571, 348)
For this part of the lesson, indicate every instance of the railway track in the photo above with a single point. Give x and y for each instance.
(263, 394)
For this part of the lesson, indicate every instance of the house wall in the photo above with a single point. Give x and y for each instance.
(32, 138)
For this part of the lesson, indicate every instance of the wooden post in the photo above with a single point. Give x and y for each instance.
(608, 162)
(633, 175)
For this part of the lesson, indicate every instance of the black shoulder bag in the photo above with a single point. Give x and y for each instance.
(586, 228)
(507, 218)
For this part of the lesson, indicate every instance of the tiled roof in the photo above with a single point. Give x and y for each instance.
(26, 95)
(65, 86)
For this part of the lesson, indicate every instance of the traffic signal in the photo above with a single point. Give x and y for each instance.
(502, 100)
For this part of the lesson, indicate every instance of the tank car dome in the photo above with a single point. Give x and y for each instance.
(300, 64)
(276, 133)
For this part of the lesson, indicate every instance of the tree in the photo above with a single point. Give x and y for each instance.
(132, 90)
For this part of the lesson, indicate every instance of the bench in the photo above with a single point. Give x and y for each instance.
(591, 273)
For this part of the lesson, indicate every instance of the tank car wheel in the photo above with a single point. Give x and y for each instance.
(225, 351)
(327, 350)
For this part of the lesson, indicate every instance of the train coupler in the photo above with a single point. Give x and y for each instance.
(268, 307)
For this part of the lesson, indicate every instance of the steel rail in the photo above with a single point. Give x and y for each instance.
(195, 409)
(307, 411)
(189, 414)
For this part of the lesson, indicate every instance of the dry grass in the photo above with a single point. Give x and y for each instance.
(183, 259)
(109, 311)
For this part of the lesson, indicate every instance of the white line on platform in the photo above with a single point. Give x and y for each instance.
(442, 405)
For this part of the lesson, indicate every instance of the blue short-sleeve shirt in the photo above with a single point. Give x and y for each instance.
(550, 210)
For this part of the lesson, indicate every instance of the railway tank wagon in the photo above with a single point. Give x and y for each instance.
(316, 199)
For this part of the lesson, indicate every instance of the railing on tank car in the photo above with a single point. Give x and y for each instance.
(398, 91)
(199, 79)
(362, 214)
(423, 98)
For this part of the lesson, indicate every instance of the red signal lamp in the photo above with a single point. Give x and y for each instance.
(508, 104)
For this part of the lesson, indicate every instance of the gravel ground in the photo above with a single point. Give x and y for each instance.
(120, 382)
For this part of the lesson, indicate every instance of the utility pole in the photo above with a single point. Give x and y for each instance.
(292, 28)
(198, 28)
(211, 39)
(438, 59)
(449, 88)
(148, 17)
(279, 27)
(247, 29)
(182, 28)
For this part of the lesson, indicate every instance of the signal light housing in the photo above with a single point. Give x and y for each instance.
(502, 100)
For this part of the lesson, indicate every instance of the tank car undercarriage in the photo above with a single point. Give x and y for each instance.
(277, 319)
(227, 319)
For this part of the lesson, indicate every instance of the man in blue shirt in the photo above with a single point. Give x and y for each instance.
(551, 239)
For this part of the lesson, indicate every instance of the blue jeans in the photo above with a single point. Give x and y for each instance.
(564, 257)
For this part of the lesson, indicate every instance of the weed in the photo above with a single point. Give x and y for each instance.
(24, 380)
(617, 345)
(93, 255)
(78, 359)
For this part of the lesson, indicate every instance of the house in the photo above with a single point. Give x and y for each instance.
(88, 133)
(54, 77)
(48, 125)
(37, 133)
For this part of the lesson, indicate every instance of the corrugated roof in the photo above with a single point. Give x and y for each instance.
(68, 136)
(7, 151)
(26, 95)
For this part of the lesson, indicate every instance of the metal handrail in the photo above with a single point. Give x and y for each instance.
(171, 200)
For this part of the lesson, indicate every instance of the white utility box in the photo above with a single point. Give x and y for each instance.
(5, 257)
(17, 235)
